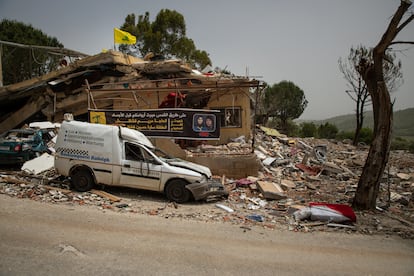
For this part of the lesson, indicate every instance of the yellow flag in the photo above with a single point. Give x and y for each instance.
(122, 37)
(97, 117)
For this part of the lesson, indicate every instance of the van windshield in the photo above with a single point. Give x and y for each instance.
(162, 155)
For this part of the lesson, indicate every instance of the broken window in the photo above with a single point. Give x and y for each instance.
(133, 152)
(230, 116)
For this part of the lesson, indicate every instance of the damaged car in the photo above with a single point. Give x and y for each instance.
(20, 145)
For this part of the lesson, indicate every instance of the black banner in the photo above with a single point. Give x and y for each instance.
(174, 123)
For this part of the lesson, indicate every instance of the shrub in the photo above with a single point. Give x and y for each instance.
(293, 130)
(308, 130)
(345, 135)
(400, 143)
(411, 147)
(327, 131)
(366, 135)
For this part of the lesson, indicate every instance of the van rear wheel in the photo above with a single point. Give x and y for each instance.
(82, 180)
(176, 191)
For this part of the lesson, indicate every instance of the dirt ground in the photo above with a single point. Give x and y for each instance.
(44, 238)
(391, 222)
(122, 231)
(392, 218)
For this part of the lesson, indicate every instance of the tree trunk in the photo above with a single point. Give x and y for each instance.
(373, 75)
(370, 180)
(358, 124)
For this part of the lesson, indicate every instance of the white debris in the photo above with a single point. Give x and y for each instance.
(40, 164)
(44, 125)
(228, 209)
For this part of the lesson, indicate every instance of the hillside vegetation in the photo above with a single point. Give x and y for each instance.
(403, 122)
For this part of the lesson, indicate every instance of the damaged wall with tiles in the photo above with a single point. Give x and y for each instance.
(235, 100)
(232, 166)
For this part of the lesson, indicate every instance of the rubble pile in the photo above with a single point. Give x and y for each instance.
(295, 173)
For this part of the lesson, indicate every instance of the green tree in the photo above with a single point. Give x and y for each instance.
(293, 130)
(328, 131)
(285, 101)
(165, 36)
(358, 91)
(308, 129)
(25, 63)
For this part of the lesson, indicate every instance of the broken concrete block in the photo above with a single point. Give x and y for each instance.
(252, 178)
(304, 145)
(404, 176)
(40, 164)
(288, 184)
(396, 197)
(282, 161)
(332, 168)
(268, 161)
(260, 155)
(263, 150)
(271, 190)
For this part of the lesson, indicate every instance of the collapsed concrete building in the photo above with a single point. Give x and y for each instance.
(114, 81)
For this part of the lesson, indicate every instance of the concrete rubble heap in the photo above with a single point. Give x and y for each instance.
(294, 172)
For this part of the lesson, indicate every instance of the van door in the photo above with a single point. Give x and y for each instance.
(138, 169)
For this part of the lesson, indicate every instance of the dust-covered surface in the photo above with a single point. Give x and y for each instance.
(294, 173)
(246, 206)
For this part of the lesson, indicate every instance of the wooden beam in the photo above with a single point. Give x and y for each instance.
(80, 109)
(19, 116)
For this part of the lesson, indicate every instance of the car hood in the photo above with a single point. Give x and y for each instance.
(191, 166)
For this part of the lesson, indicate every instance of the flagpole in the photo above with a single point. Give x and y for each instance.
(114, 40)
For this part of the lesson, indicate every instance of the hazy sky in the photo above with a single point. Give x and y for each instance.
(300, 41)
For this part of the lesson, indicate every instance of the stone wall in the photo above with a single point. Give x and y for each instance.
(232, 166)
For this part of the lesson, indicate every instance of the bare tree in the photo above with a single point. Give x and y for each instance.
(372, 72)
(358, 91)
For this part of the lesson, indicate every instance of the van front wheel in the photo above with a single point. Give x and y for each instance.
(176, 191)
(82, 180)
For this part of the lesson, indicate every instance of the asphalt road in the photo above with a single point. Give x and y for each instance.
(38, 238)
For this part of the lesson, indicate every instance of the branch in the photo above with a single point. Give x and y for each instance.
(401, 42)
(393, 27)
(409, 19)
(350, 95)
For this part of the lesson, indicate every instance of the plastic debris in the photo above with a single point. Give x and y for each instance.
(228, 209)
(257, 218)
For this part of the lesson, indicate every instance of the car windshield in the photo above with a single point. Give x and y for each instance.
(19, 135)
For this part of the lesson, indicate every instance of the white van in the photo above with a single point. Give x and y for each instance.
(111, 155)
